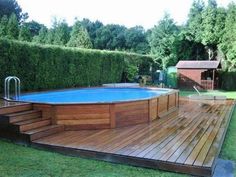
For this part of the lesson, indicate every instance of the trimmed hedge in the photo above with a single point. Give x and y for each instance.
(228, 81)
(51, 67)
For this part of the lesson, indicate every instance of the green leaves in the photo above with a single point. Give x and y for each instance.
(25, 34)
(52, 67)
(228, 40)
(79, 37)
(162, 42)
(12, 27)
(8, 7)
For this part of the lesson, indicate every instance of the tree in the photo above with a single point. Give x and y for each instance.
(92, 28)
(162, 42)
(8, 7)
(220, 23)
(194, 28)
(111, 37)
(24, 33)
(49, 38)
(12, 27)
(3, 26)
(61, 33)
(188, 49)
(34, 27)
(136, 40)
(79, 37)
(228, 41)
(209, 37)
(41, 37)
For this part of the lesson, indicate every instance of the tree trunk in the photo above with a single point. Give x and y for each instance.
(210, 53)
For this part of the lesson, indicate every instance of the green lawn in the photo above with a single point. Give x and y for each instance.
(229, 94)
(16, 160)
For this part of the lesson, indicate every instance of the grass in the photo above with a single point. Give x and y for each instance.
(16, 160)
(228, 94)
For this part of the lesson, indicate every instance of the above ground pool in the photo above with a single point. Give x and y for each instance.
(102, 108)
(93, 95)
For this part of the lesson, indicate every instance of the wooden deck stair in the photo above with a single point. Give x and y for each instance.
(25, 122)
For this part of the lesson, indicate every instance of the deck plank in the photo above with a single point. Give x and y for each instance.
(183, 126)
(202, 154)
(187, 140)
(190, 160)
(182, 152)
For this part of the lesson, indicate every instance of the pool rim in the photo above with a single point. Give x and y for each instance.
(170, 91)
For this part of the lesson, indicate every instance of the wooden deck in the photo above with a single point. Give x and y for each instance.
(4, 103)
(187, 141)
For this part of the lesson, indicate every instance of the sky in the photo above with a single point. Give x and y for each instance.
(124, 12)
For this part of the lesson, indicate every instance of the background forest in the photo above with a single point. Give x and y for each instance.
(208, 34)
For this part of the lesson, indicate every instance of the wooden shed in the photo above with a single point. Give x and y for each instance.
(202, 74)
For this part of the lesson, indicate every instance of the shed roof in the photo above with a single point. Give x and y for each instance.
(198, 64)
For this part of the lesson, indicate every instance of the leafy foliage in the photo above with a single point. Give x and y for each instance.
(228, 43)
(209, 34)
(3, 26)
(227, 80)
(79, 37)
(136, 40)
(110, 37)
(49, 67)
(162, 41)
(34, 27)
(41, 37)
(12, 27)
(61, 33)
(8, 7)
(24, 33)
(92, 28)
(193, 27)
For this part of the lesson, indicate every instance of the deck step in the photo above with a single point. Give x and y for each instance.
(44, 131)
(31, 124)
(23, 116)
(16, 108)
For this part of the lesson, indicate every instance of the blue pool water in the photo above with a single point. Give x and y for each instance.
(93, 95)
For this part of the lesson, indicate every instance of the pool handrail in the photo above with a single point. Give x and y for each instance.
(7, 87)
(195, 88)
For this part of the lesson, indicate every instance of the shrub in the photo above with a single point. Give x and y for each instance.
(228, 80)
(51, 67)
(171, 80)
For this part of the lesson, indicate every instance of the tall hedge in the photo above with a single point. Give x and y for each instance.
(228, 80)
(51, 67)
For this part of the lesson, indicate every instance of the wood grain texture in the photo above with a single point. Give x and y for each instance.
(15, 108)
(172, 101)
(110, 115)
(153, 107)
(131, 113)
(187, 140)
(162, 104)
(47, 110)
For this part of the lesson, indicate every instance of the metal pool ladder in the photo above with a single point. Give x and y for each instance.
(7, 87)
(195, 88)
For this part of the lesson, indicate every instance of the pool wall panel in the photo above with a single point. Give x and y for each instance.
(162, 105)
(47, 111)
(153, 108)
(109, 115)
(131, 113)
(172, 101)
(83, 116)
